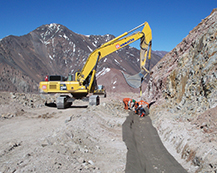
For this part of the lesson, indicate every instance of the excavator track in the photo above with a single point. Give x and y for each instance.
(64, 101)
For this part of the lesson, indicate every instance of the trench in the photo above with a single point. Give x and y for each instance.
(145, 151)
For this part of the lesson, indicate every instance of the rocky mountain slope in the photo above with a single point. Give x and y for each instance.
(54, 49)
(184, 83)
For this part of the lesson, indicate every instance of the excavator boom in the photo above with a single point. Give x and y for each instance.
(117, 43)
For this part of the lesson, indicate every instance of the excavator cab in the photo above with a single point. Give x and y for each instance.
(100, 90)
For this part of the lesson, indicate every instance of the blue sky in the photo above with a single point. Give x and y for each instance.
(170, 20)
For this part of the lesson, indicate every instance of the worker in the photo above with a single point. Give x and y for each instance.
(142, 111)
(142, 103)
(127, 103)
(142, 108)
(133, 103)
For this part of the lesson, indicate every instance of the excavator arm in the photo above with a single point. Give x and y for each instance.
(115, 44)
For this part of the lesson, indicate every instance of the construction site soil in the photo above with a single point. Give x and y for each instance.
(37, 137)
(82, 138)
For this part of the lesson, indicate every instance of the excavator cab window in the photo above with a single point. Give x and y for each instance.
(76, 75)
(55, 78)
(100, 87)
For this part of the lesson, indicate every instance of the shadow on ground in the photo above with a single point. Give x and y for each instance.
(52, 104)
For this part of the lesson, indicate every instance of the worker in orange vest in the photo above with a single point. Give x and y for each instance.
(127, 103)
(142, 108)
(142, 103)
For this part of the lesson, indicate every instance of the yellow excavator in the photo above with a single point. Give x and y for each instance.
(85, 81)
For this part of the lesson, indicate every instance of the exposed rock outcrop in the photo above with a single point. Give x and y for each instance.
(184, 83)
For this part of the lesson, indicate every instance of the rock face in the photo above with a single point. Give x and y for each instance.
(184, 83)
(54, 49)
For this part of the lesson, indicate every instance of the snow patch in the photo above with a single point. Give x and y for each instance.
(58, 28)
(46, 42)
(130, 54)
(116, 61)
(52, 42)
(50, 57)
(74, 48)
(94, 45)
(89, 48)
(65, 37)
(52, 25)
(103, 72)
(42, 35)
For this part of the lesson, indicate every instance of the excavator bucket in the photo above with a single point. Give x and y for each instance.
(134, 81)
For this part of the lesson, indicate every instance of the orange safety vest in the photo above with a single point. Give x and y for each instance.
(141, 102)
(126, 100)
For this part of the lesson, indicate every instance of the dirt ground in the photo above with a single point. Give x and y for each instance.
(45, 139)
(82, 138)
